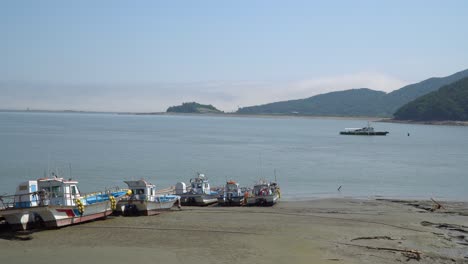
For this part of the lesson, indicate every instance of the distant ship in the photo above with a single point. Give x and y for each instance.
(365, 131)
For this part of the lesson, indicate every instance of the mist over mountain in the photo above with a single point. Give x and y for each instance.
(355, 102)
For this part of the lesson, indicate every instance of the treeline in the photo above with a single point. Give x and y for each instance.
(448, 103)
(193, 107)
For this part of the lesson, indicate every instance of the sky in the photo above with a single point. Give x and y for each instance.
(144, 56)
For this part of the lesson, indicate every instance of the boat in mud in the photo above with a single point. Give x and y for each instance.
(199, 193)
(54, 202)
(365, 131)
(142, 198)
(263, 193)
(232, 194)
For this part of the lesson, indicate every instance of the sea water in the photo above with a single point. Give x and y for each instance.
(307, 156)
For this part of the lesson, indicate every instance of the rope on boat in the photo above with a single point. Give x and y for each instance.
(80, 206)
(113, 202)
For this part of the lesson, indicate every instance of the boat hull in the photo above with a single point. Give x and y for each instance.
(54, 216)
(143, 207)
(265, 200)
(21, 219)
(198, 199)
(231, 201)
(364, 133)
(59, 216)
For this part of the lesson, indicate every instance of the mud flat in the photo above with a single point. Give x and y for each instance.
(319, 231)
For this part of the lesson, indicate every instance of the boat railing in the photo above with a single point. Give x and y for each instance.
(24, 200)
(168, 190)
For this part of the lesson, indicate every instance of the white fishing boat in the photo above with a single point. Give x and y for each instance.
(232, 194)
(199, 192)
(143, 199)
(263, 193)
(55, 202)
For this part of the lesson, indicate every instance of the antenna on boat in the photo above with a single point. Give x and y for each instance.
(274, 171)
(48, 164)
(260, 156)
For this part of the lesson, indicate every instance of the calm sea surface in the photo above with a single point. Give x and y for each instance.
(309, 156)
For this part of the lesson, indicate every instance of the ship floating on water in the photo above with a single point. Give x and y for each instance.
(365, 131)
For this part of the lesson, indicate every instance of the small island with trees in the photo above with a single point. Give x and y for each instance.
(193, 108)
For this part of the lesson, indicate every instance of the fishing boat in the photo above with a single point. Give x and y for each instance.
(232, 194)
(54, 202)
(365, 131)
(199, 192)
(263, 193)
(142, 198)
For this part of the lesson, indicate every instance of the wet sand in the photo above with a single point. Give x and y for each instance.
(320, 231)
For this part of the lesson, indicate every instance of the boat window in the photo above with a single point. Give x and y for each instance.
(55, 191)
(206, 185)
(73, 189)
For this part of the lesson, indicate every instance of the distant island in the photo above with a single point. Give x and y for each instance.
(362, 102)
(449, 103)
(194, 108)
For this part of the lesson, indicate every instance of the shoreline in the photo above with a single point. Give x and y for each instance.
(435, 123)
(272, 116)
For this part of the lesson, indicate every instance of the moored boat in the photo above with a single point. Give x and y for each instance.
(263, 193)
(232, 194)
(365, 131)
(55, 202)
(143, 199)
(199, 192)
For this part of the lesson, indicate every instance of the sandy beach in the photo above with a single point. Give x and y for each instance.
(319, 231)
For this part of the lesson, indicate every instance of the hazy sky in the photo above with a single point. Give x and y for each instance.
(148, 55)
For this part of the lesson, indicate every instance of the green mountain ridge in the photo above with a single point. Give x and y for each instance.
(448, 103)
(355, 102)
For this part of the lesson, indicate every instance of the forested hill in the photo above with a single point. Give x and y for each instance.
(193, 108)
(355, 102)
(400, 97)
(448, 103)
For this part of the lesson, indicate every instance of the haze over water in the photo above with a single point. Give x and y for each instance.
(309, 156)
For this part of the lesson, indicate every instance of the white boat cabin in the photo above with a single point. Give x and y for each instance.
(25, 195)
(200, 185)
(57, 191)
(141, 190)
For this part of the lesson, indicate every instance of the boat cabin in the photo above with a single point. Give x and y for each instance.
(57, 191)
(200, 185)
(141, 189)
(25, 195)
(262, 189)
(232, 188)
